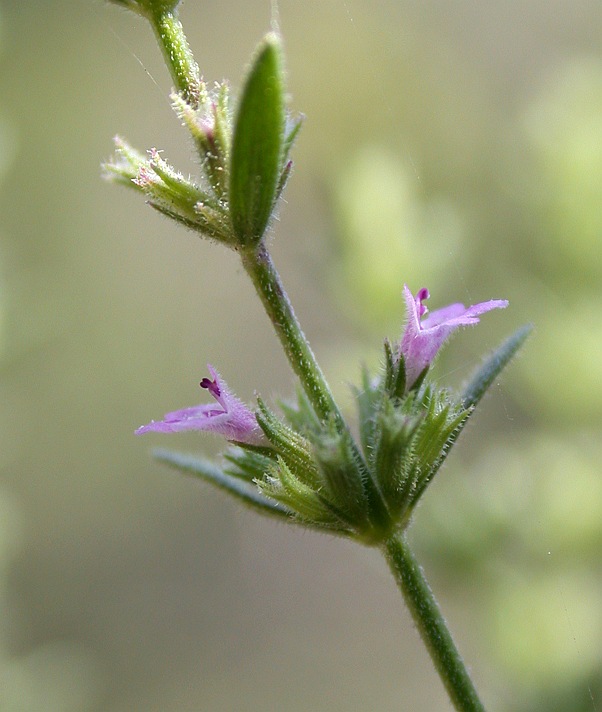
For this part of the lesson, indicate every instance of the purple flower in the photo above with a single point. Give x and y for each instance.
(230, 417)
(423, 338)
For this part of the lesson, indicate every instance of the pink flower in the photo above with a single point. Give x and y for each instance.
(423, 338)
(230, 417)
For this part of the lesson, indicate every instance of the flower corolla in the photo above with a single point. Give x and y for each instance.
(229, 416)
(423, 337)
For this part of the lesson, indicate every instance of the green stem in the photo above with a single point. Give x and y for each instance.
(258, 263)
(260, 268)
(178, 57)
(431, 625)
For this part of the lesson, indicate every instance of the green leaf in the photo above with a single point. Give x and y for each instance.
(493, 366)
(258, 144)
(239, 489)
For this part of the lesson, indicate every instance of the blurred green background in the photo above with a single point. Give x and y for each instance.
(454, 145)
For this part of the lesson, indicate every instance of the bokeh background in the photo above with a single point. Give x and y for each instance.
(456, 145)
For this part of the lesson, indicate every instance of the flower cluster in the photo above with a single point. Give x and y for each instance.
(304, 464)
(313, 471)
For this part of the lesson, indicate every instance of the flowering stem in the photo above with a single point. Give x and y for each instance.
(431, 625)
(178, 57)
(257, 261)
(260, 268)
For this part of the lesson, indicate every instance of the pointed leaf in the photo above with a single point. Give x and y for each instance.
(239, 489)
(258, 142)
(493, 366)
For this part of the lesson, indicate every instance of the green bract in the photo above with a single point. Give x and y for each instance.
(256, 161)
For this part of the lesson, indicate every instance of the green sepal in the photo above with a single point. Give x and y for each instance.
(284, 176)
(286, 164)
(395, 372)
(416, 386)
(176, 217)
(432, 450)
(181, 191)
(309, 507)
(295, 450)
(369, 398)
(396, 430)
(493, 366)
(218, 159)
(244, 492)
(283, 485)
(389, 366)
(301, 415)
(169, 192)
(248, 462)
(258, 144)
(292, 130)
(125, 166)
(342, 475)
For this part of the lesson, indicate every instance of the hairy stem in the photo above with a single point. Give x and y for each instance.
(431, 625)
(260, 268)
(178, 57)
